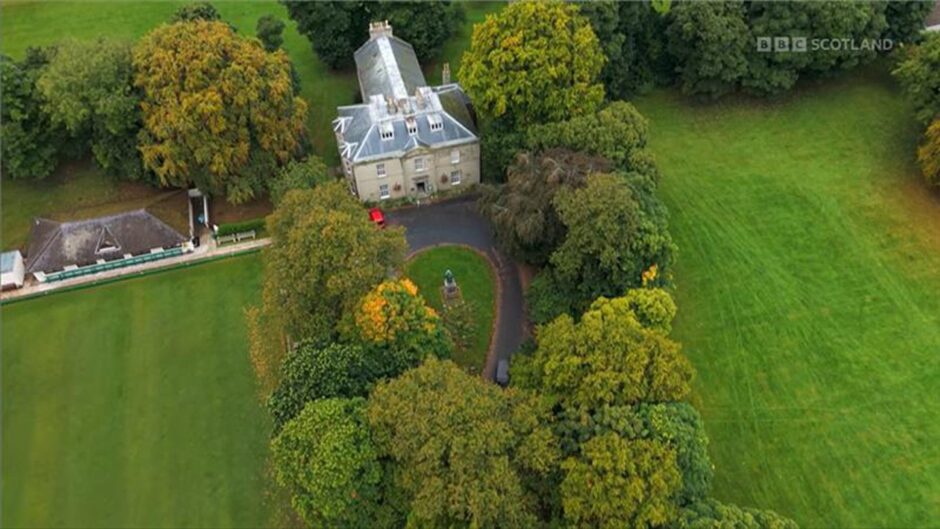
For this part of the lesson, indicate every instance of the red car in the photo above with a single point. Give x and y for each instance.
(376, 216)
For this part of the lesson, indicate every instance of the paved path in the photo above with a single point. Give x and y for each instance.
(458, 222)
(208, 251)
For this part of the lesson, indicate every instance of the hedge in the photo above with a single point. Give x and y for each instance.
(240, 227)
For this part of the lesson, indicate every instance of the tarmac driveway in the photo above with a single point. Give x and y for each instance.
(458, 222)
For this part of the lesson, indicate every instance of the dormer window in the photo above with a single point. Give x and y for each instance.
(435, 122)
(412, 126)
(386, 131)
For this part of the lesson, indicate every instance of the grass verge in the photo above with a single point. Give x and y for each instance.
(477, 285)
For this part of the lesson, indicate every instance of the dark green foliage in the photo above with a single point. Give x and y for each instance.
(312, 372)
(463, 450)
(195, 11)
(712, 514)
(856, 21)
(675, 424)
(241, 227)
(617, 132)
(906, 19)
(614, 234)
(327, 461)
(303, 174)
(919, 74)
(710, 43)
(768, 72)
(522, 213)
(269, 31)
(633, 37)
(28, 138)
(499, 145)
(547, 297)
(87, 88)
(337, 29)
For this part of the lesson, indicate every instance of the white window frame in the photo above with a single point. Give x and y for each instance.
(383, 195)
(459, 174)
(412, 125)
(386, 131)
(380, 171)
(455, 156)
(435, 122)
(422, 166)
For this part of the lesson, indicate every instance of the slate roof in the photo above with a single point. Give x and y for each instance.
(388, 66)
(55, 245)
(390, 80)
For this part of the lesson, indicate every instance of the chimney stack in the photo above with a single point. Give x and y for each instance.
(445, 74)
(379, 29)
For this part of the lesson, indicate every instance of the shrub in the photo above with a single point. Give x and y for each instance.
(240, 227)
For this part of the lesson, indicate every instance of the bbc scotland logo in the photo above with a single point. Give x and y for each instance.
(782, 44)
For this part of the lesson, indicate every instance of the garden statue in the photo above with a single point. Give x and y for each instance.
(450, 285)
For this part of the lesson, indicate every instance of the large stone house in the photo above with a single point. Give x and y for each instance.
(406, 139)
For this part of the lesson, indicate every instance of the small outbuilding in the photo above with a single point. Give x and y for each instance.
(13, 270)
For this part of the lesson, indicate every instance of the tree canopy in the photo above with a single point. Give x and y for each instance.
(218, 111)
(337, 28)
(461, 447)
(270, 31)
(620, 483)
(929, 153)
(298, 174)
(608, 358)
(87, 89)
(325, 255)
(522, 212)
(326, 459)
(919, 74)
(312, 372)
(394, 322)
(29, 139)
(533, 62)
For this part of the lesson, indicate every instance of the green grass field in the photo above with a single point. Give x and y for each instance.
(25, 24)
(475, 277)
(809, 298)
(134, 404)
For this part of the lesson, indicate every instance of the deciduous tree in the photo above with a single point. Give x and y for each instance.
(395, 323)
(312, 372)
(712, 514)
(522, 211)
(608, 358)
(326, 459)
(710, 42)
(219, 112)
(269, 31)
(462, 447)
(929, 153)
(196, 11)
(29, 140)
(533, 62)
(613, 235)
(298, 174)
(337, 29)
(919, 74)
(87, 89)
(325, 255)
(621, 483)
(617, 132)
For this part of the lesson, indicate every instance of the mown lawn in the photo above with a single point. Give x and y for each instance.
(25, 24)
(809, 298)
(134, 405)
(475, 278)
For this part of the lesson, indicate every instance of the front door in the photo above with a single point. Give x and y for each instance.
(422, 187)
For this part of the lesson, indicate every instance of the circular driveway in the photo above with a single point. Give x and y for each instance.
(458, 222)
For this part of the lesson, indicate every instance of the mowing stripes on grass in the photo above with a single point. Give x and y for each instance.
(808, 283)
(133, 404)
